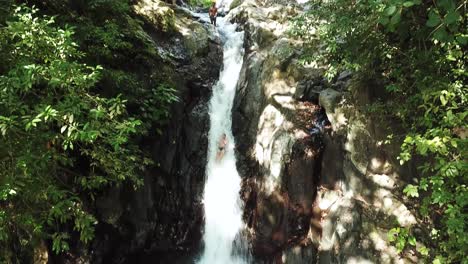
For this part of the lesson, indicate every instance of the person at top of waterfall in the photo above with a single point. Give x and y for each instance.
(213, 12)
(221, 147)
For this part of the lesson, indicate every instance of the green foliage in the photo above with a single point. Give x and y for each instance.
(201, 3)
(235, 3)
(402, 238)
(411, 190)
(417, 49)
(108, 32)
(162, 95)
(61, 141)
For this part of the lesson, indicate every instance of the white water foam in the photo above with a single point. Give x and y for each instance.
(221, 198)
(224, 5)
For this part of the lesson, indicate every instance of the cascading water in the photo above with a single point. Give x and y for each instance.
(221, 198)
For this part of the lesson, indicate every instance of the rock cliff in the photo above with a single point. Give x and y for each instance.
(166, 215)
(279, 155)
(319, 184)
(316, 189)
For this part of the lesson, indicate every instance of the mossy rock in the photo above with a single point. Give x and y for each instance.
(235, 4)
(195, 36)
(158, 13)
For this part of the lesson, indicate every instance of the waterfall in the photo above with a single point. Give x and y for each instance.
(221, 197)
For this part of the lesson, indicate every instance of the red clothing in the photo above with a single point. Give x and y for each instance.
(213, 11)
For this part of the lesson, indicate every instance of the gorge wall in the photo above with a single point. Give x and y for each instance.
(319, 185)
(164, 215)
(316, 190)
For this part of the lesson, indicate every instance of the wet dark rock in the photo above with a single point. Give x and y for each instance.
(305, 252)
(309, 90)
(280, 218)
(332, 162)
(345, 75)
(166, 214)
(271, 225)
(300, 173)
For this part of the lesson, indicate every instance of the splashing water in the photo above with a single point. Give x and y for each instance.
(221, 199)
(224, 5)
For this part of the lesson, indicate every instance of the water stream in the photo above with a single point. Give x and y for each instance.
(221, 197)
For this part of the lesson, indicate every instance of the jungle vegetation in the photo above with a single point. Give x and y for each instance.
(76, 99)
(417, 50)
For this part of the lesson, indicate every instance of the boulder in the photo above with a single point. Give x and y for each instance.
(310, 89)
(300, 175)
(271, 226)
(329, 99)
(160, 14)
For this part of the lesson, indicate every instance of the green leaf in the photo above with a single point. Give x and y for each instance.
(393, 234)
(447, 5)
(463, 40)
(451, 17)
(443, 100)
(412, 240)
(384, 21)
(454, 144)
(409, 4)
(400, 245)
(423, 250)
(433, 20)
(411, 190)
(395, 18)
(390, 10)
(441, 34)
(424, 184)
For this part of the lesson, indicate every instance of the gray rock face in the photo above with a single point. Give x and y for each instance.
(299, 254)
(361, 177)
(357, 176)
(309, 90)
(329, 98)
(277, 157)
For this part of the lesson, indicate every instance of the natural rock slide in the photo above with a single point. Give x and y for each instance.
(304, 178)
(221, 197)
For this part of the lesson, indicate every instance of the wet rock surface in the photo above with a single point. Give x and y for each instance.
(165, 215)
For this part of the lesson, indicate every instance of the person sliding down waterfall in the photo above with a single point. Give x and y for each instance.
(213, 12)
(221, 147)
